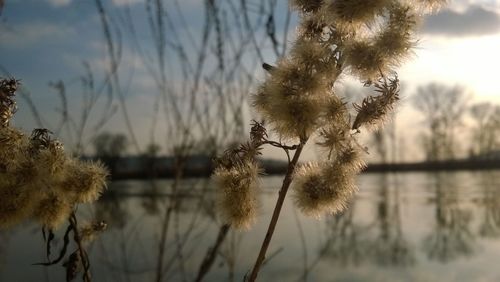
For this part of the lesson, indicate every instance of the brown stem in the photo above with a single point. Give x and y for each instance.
(212, 252)
(163, 239)
(279, 145)
(81, 251)
(166, 220)
(277, 209)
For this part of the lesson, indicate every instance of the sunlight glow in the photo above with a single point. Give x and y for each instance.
(472, 62)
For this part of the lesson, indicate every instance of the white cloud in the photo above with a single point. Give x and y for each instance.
(129, 60)
(26, 34)
(473, 21)
(59, 3)
(183, 3)
(126, 2)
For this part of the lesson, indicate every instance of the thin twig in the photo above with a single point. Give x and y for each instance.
(280, 145)
(277, 209)
(81, 251)
(209, 259)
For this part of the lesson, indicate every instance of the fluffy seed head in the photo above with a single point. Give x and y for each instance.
(237, 193)
(299, 117)
(16, 204)
(342, 178)
(335, 109)
(395, 38)
(84, 181)
(374, 109)
(37, 179)
(306, 6)
(89, 231)
(311, 27)
(312, 57)
(366, 60)
(51, 161)
(310, 189)
(368, 38)
(290, 115)
(23, 170)
(318, 190)
(335, 136)
(351, 159)
(8, 88)
(52, 211)
(356, 12)
(12, 142)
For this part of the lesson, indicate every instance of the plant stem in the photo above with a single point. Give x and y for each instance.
(212, 253)
(81, 251)
(166, 220)
(277, 209)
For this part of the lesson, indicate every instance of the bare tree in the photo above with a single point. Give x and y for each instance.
(390, 246)
(443, 110)
(486, 128)
(110, 147)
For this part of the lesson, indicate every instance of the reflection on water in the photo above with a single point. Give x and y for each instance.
(400, 227)
(379, 241)
(451, 236)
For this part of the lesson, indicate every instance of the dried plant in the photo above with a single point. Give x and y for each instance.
(298, 100)
(39, 181)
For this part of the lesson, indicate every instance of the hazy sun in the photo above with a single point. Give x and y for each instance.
(472, 62)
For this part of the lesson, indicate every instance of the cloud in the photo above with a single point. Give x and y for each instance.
(126, 2)
(184, 3)
(59, 3)
(27, 34)
(474, 21)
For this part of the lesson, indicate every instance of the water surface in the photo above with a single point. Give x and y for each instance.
(400, 227)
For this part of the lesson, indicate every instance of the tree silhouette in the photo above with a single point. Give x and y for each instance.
(443, 108)
(451, 236)
(109, 148)
(346, 240)
(486, 129)
(389, 247)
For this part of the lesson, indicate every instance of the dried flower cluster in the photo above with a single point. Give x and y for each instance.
(37, 179)
(89, 231)
(237, 174)
(323, 187)
(368, 39)
(374, 109)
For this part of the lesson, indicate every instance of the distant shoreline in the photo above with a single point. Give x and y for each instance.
(202, 166)
(451, 165)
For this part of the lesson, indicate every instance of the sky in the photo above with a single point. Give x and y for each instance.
(43, 41)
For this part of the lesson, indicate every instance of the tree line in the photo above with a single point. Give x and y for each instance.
(452, 125)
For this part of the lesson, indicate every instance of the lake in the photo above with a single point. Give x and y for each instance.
(400, 227)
